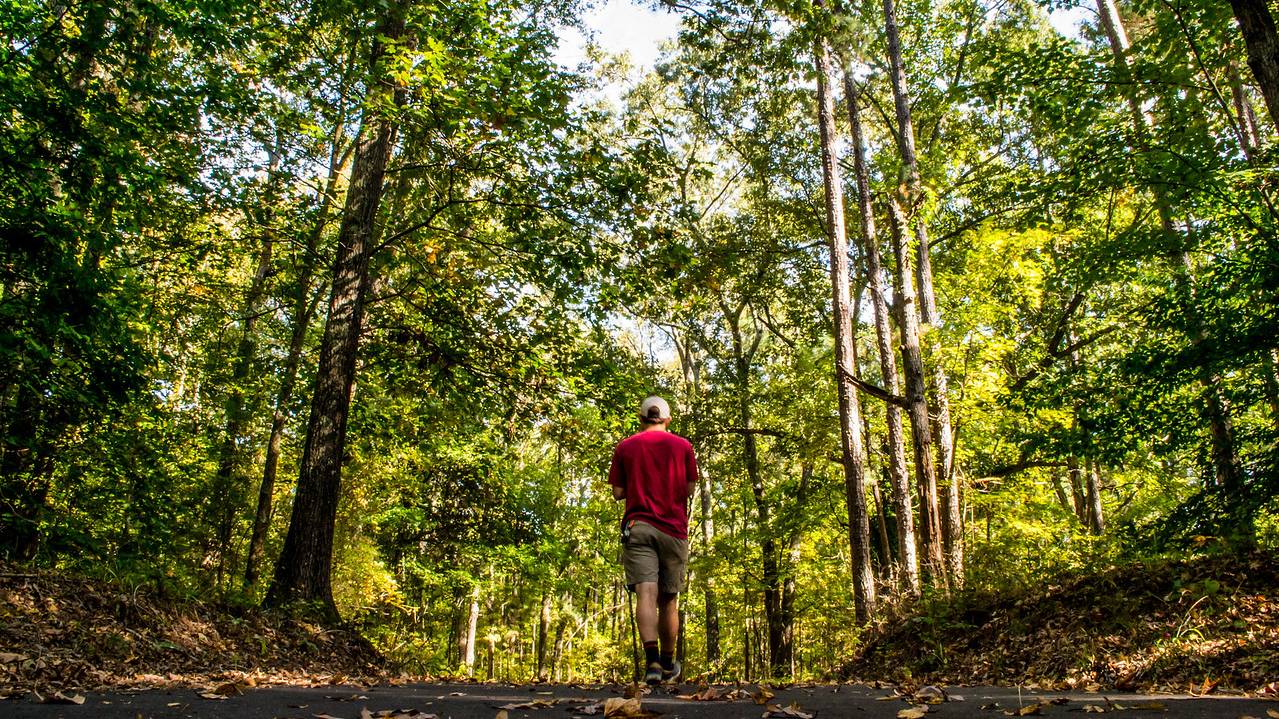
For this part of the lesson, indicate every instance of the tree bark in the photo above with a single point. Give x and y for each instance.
(1262, 43)
(853, 454)
(902, 505)
(1096, 523)
(302, 572)
(933, 560)
(912, 198)
(305, 302)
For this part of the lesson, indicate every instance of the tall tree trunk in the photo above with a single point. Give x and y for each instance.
(913, 197)
(472, 623)
(852, 452)
(1245, 117)
(1221, 427)
(1078, 491)
(933, 560)
(543, 627)
(750, 447)
(302, 572)
(902, 508)
(794, 543)
(305, 302)
(226, 485)
(708, 590)
(1262, 43)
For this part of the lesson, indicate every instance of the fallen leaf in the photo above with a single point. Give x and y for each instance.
(1059, 701)
(627, 708)
(535, 704)
(1094, 709)
(590, 709)
(709, 694)
(633, 690)
(913, 713)
(886, 698)
(928, 695)
(1272, 714)
(230, 689)
(10, 658)
(325, 716)
(211, 695)
(502, 714)
(1149, 706)
(793, 710)
(60, 698)
(1028, 710)
(762, 696)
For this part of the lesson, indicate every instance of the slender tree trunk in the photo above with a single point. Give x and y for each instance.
(543, 627)
(1245, 117)
(1078, 491)
(933, 560)
(902, 508)
(794, 544)
(1062, 498)
(1262, 43)
(472, 623)
(226, 485)
(853, 454)
(305, 302)
(1221, 427)
(302, 572)
(952, 518)
(708, 590)
(1096, 522)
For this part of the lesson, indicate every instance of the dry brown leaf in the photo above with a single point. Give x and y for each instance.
(60, 698)
(230, 689)
(633, 690)
(502, 714)
(1094, 709)
(913, 713)
(365, 713)
(1028, 710)
(887, 698)
(11, 658)
(325, 716)
(1149, 706)
(591, 709)
(626, 708)
(763, 696)
(709, 694)
(1272, 714)
(211, 695)
(928, 695)
(780, 712)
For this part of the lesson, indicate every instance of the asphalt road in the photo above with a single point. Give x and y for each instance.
(484, 701)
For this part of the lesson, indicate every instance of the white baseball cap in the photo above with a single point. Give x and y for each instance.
(655, 408)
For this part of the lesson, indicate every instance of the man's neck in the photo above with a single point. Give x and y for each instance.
(659, 427)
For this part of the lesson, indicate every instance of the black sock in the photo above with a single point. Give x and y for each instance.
(668, 661)
(650, 652)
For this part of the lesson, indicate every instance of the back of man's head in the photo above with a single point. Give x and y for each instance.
(654, 410)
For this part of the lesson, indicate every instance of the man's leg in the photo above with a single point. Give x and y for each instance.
(668, 627)
(646, 620)
(646, 614)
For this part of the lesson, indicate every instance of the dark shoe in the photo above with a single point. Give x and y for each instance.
(654, 674)
(672, 674)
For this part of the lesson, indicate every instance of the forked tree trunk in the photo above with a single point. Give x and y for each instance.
(302, 573)
(946, 476)
(902, 505)
(853, 455)
(932, 560)
(1262, 43)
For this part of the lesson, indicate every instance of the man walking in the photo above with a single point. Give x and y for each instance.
(655, 472)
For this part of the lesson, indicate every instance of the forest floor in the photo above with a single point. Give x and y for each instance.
(1195, 627)
(1199, 626)
(64, 633)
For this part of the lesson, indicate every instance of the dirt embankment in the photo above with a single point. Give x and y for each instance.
(1195, 625)
(64, 633)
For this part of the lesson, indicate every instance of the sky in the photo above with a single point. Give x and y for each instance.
(635, 27)
(621, 25)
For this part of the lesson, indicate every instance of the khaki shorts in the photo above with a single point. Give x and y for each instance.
(651, 555)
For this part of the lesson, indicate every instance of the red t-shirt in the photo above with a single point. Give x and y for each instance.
(654, 468)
